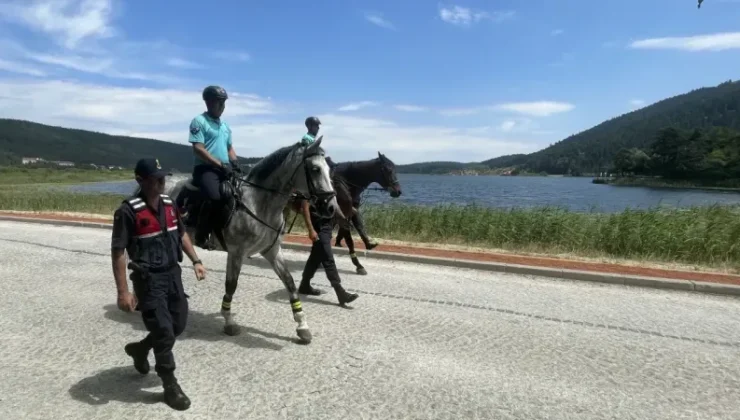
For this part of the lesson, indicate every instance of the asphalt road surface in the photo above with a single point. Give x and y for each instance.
(421, 342)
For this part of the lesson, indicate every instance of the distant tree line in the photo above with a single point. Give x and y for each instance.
(711, 155)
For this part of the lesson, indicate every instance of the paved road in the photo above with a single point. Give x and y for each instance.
(422, 342)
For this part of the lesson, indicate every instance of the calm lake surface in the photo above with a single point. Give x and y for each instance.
(577, 194)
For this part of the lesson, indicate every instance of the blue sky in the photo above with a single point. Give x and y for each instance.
(465, 80)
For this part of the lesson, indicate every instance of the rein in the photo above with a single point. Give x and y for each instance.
(313, 196)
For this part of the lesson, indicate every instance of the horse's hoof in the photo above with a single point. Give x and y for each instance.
(361, 271)
(232, 330)
(304, 335)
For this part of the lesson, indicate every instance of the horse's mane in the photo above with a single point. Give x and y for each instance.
(262, 169)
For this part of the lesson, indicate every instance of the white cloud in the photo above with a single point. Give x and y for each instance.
(463, 16)
(13, 67)
(183, 64)
(357, 106)
(507, 125)
(231, 55)
(637, 104)
(537, 109)
(557, 32)
(164, 114)
(410, 108)
(709, 42)
(69, 22)
(378, 20)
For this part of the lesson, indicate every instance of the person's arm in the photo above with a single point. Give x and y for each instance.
(306, 213)
(187, 244)
(189, 249)
(199, 143)
(123, 226)
(232, 153)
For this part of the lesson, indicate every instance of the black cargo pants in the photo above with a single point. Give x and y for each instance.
(164, 309)
(321, 252)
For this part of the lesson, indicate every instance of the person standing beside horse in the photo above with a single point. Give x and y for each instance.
(320, 232)
(214, 161)
(148, 227)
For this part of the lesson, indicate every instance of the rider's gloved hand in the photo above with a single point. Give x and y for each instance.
(235, 166)
(227, 169)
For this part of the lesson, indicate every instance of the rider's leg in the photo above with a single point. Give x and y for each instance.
(209, 184)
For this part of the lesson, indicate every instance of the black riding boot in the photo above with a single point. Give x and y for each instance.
(140, 353)
(204, 226)
(173, 394)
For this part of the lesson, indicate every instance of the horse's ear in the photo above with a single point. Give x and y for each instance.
(316, 144)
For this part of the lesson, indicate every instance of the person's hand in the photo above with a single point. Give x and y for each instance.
(312, 235)
(227, 169)
(200, 271)
(126, 301)
(235, 166)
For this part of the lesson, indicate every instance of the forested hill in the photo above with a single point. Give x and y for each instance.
(593, 150)
(20, 139)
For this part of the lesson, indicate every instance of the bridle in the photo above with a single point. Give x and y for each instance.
(313, 197)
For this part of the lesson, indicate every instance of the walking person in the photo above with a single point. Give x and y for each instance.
(319, 231)
(148, 227)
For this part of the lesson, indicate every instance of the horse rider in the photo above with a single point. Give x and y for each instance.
(148, 227)
(214, 161)
(312, 124)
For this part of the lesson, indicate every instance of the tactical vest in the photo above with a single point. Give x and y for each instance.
(156, 246)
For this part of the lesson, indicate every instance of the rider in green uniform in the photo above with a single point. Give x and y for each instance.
(312, 124)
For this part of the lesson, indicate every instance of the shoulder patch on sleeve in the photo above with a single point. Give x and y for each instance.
(194, 129)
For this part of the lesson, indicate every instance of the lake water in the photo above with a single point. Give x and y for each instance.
(577, 194)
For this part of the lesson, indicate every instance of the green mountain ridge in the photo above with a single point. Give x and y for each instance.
(590, 151)
(20, 138)
(593, 150)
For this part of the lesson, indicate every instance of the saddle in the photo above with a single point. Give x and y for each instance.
(191, 202)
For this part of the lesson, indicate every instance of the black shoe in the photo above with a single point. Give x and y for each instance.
(343, 296)
(140, 356)
(174, 397)
(306, 289)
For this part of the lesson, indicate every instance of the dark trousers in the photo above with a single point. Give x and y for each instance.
(164, 310)
(321, 252)
(208, 178)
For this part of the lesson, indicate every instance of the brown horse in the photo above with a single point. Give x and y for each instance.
(350, 180)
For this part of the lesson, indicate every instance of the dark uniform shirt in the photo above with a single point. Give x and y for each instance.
(124, 228)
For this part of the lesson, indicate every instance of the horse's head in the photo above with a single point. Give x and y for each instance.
(314, 180)
(388, 178)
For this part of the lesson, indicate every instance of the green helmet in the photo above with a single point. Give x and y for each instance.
(214, 93)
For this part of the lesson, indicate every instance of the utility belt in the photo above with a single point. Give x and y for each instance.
(145, 271)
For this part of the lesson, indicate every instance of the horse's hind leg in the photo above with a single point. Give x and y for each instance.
(275, 257)
(351, 247)
(233, 269)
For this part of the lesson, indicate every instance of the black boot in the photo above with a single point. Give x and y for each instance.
(173, 395)
(204, 226)
(344, 296)
(306, 289)
(140, 354)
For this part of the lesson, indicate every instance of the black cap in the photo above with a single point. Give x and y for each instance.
(146, 168)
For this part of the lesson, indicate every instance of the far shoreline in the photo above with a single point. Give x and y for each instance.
(662, 184)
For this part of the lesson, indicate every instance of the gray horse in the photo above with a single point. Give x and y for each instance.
(256, 221)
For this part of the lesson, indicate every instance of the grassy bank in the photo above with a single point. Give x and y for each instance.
(18, 176)
(708, 236)
(728, 185)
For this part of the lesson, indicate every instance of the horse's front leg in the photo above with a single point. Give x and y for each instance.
(360, 227)
(233, 268)
(275, 257)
